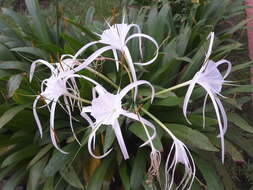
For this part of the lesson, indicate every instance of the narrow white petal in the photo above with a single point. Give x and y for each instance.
(224, 115)
(203, 111)
(66, 55)
(131, 67)
(39, 61)
(140, 42)
(70, 119)
(212, 96)
(187, 97)
(152, 40)
(88, 119)
(52, 114)
(80, 51)
(91, 136)
(125, 90)
(92, 57)
(211, 36)
(228, 68)
(36, 115)
(120, 139)
(114, 51)
(84, 77)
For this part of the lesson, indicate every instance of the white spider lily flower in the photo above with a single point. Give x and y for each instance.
(106, 109)
(181, 156)
(116, 38)
(211, 79)
(52, 89)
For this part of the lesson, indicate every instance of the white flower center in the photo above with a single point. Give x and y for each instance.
(212, 77)
(106, 108)
(115, 35)
(55, 88)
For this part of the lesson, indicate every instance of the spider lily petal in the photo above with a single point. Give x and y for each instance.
(124, 91)
(36, 115)
(181, 156)
(211, 79)
(116, 39)
(106, 112)
(53, 88)
(209, 51)
(120, 139)
(92, 57)
(149, 38)
(40, 61)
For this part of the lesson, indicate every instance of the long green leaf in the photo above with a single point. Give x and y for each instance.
(38, 20)
(35, 174)
(240, 122)
(83, 29)
(11, 113)
(33, 51)
(138, 170)
(59, 160)
(192, 137)
(14, 180)
(14, 65)
(20, 155)
(97, 178)
(70, 175)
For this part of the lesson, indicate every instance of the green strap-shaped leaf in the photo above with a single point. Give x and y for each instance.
(20, 155)
(5, 53)
(4, 74)
(97, 178)
(35, 174)
(39, 155)
(8, 115)
(138, 170)
(124, 176)
(70, 176)
(240, 122)
(109, 138)
(49, 184)
(235, 136)
(191, 137)
(232, 150)
(14, 65)
(38, 20)
(224, 175)
(15, 179)
(209, 173)
(19, 19)
(241, 88)
(33, 51)
(83, 29)
(59, 160)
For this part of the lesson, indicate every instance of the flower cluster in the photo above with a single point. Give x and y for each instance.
(106, 108)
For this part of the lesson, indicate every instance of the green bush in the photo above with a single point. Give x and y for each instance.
(180, 28)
